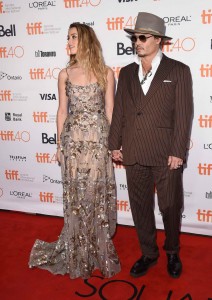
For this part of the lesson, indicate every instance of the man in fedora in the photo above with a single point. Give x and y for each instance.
(149, 132)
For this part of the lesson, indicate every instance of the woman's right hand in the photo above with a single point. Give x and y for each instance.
(58, 153)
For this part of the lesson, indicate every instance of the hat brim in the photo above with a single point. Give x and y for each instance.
(131, 31)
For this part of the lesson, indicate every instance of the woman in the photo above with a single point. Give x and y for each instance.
(86, 97)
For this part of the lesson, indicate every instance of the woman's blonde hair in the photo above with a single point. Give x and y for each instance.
(89, 53)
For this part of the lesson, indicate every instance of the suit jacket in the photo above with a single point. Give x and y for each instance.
(151, 127)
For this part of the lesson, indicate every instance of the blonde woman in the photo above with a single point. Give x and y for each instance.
(86, 97)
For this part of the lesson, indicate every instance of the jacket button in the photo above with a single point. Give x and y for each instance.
(139, 113)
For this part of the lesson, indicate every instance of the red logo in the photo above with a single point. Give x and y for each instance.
(10, 135)
(204, 215)
(187, 44)
(80, 3)
(123, 205)
(46, 197)
(5, 95)
(205, 169)
(34, 28)
(206, 71)
(206, 17)
(205, 122)
(45, 158)
(12, 175)
(1, 7)
(11, 52)
(40, 73)
(40, 117)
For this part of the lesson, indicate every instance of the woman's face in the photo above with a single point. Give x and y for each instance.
(73, 40)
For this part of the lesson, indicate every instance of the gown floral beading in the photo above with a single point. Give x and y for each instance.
(89, 196)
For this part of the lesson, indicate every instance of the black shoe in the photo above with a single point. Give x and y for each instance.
(141, 266)
(174, 266)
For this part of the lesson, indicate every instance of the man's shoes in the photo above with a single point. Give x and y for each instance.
(174, 266)
(141, 266)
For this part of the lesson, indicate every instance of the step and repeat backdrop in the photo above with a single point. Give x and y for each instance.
(33, 50)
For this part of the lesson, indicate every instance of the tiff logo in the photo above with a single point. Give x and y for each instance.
(5, 95)
(1, 7)
(46, 197)
(3, 52)
(44, 158)
(36, 73)
(115, 23)
(205, 169)
(40, 117)
(7, 135)
(205, 122)
(12, 175)
(34, 28)
(206, 71)
(204, 216)
(123, 205)
(71, 3)
(206, 17)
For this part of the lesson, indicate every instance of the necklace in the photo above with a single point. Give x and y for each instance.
(148, 74)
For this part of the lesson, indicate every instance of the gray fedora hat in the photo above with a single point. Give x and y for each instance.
(149, 23)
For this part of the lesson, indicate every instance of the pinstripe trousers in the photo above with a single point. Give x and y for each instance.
(141, 181)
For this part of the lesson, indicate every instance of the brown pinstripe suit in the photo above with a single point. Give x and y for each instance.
(150, 128)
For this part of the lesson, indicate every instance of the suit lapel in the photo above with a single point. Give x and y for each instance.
(163, 70)
(136, 91)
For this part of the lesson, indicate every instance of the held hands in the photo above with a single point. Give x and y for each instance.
(174, 162)
(117, 155)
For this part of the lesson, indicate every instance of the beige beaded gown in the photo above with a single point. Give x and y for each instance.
(88, 192)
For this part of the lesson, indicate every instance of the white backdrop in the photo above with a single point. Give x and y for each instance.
(33, 50)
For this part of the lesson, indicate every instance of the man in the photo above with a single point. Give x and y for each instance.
(150, 128)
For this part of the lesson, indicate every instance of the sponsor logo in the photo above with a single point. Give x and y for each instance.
(89, 23)
(123, 186)
(51, 180)
(12, 175)
(208, 195)
(187, 44)
(1, 192)
(34, 28)
(123, 205)
(205, 169)
(13, 117)
(80, 3)
(9, 77)
(11, 31)
(40, 53)
(48, 140)
(17, 158)
(45, 158)
(8, 8)
(121, 49)
(1, 7)
(204, 215)
(48, 96)
(11, 52)
(41, 73)
(42, 4)
(208, 146)
(19, 136)
(21, 195)
(206, 70)
(46, 197)
(205, 122)
(5, 95)
(43, 117)
(206, 16)
(172, 21)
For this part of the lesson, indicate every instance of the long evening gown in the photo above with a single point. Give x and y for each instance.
(88, 192)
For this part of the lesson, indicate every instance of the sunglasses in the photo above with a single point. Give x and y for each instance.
(141, 38)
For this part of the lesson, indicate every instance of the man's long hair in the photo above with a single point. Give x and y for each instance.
(89, 54)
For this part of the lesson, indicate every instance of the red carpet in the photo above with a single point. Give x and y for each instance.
(18, 282)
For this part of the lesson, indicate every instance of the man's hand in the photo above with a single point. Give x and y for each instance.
(117, 155)
(174, 162)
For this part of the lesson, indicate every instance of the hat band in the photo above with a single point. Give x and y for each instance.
(149, 29)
